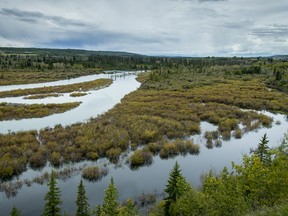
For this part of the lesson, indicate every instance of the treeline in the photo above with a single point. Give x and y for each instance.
(279, 80)
(39, 65)
(257, 186)
(49, 59)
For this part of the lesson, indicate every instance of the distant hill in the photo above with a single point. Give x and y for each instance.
(64, 52)
(281, 57)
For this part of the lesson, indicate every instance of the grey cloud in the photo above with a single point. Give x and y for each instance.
(102, 37)
(275, 31)
(239, 24)
(201, 27)
(202, 1)
(35, 16)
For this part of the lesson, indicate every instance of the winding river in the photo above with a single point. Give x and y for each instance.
(129, 183)
(94, 103)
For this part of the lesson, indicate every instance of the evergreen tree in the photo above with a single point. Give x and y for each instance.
(262, 150)
(82, 201)
(182, 186)
(110, 205)
(15, 212)
(52, 198)
(172, 188)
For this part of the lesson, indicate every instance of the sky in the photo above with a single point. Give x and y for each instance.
(149, 27)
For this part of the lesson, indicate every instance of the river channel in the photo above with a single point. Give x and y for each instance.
(94, 103)
(130, 184)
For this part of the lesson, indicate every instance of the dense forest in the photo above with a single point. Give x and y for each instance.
(176, 95)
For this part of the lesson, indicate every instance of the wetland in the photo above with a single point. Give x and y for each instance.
(202, 115)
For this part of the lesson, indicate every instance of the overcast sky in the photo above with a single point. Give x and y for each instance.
(153, 27)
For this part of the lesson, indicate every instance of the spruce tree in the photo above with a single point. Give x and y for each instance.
(52, 198)
(172, 189)
(262, 150)
(182, 186)
(110, 205)
(82, 201)
(15, 212)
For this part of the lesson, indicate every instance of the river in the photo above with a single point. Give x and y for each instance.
(94, 103)
(30, 200)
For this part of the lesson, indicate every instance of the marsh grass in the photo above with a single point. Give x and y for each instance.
(41, 96)
(94, 173)
(84, 86)
(22, 111)
(78, 94)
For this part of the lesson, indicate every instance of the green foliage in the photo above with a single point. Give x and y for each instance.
(52, 198)
(252, 187)
(223, 196)
(129, 209)
(192, 203)
(175, 188)
(262, 151)
(97, 211)
(278, 210)
(110, 205)
(157, 210)
(82, 201)
(15, 212)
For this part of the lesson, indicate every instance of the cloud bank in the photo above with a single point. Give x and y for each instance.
(162, 27)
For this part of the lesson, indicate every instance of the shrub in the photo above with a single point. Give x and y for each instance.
(226, 135)
(211, 135)
(238, 133)
(113, 154)
(168, 150)
(77, 94)
(94, 173)
(154, 147)
(140, 157)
